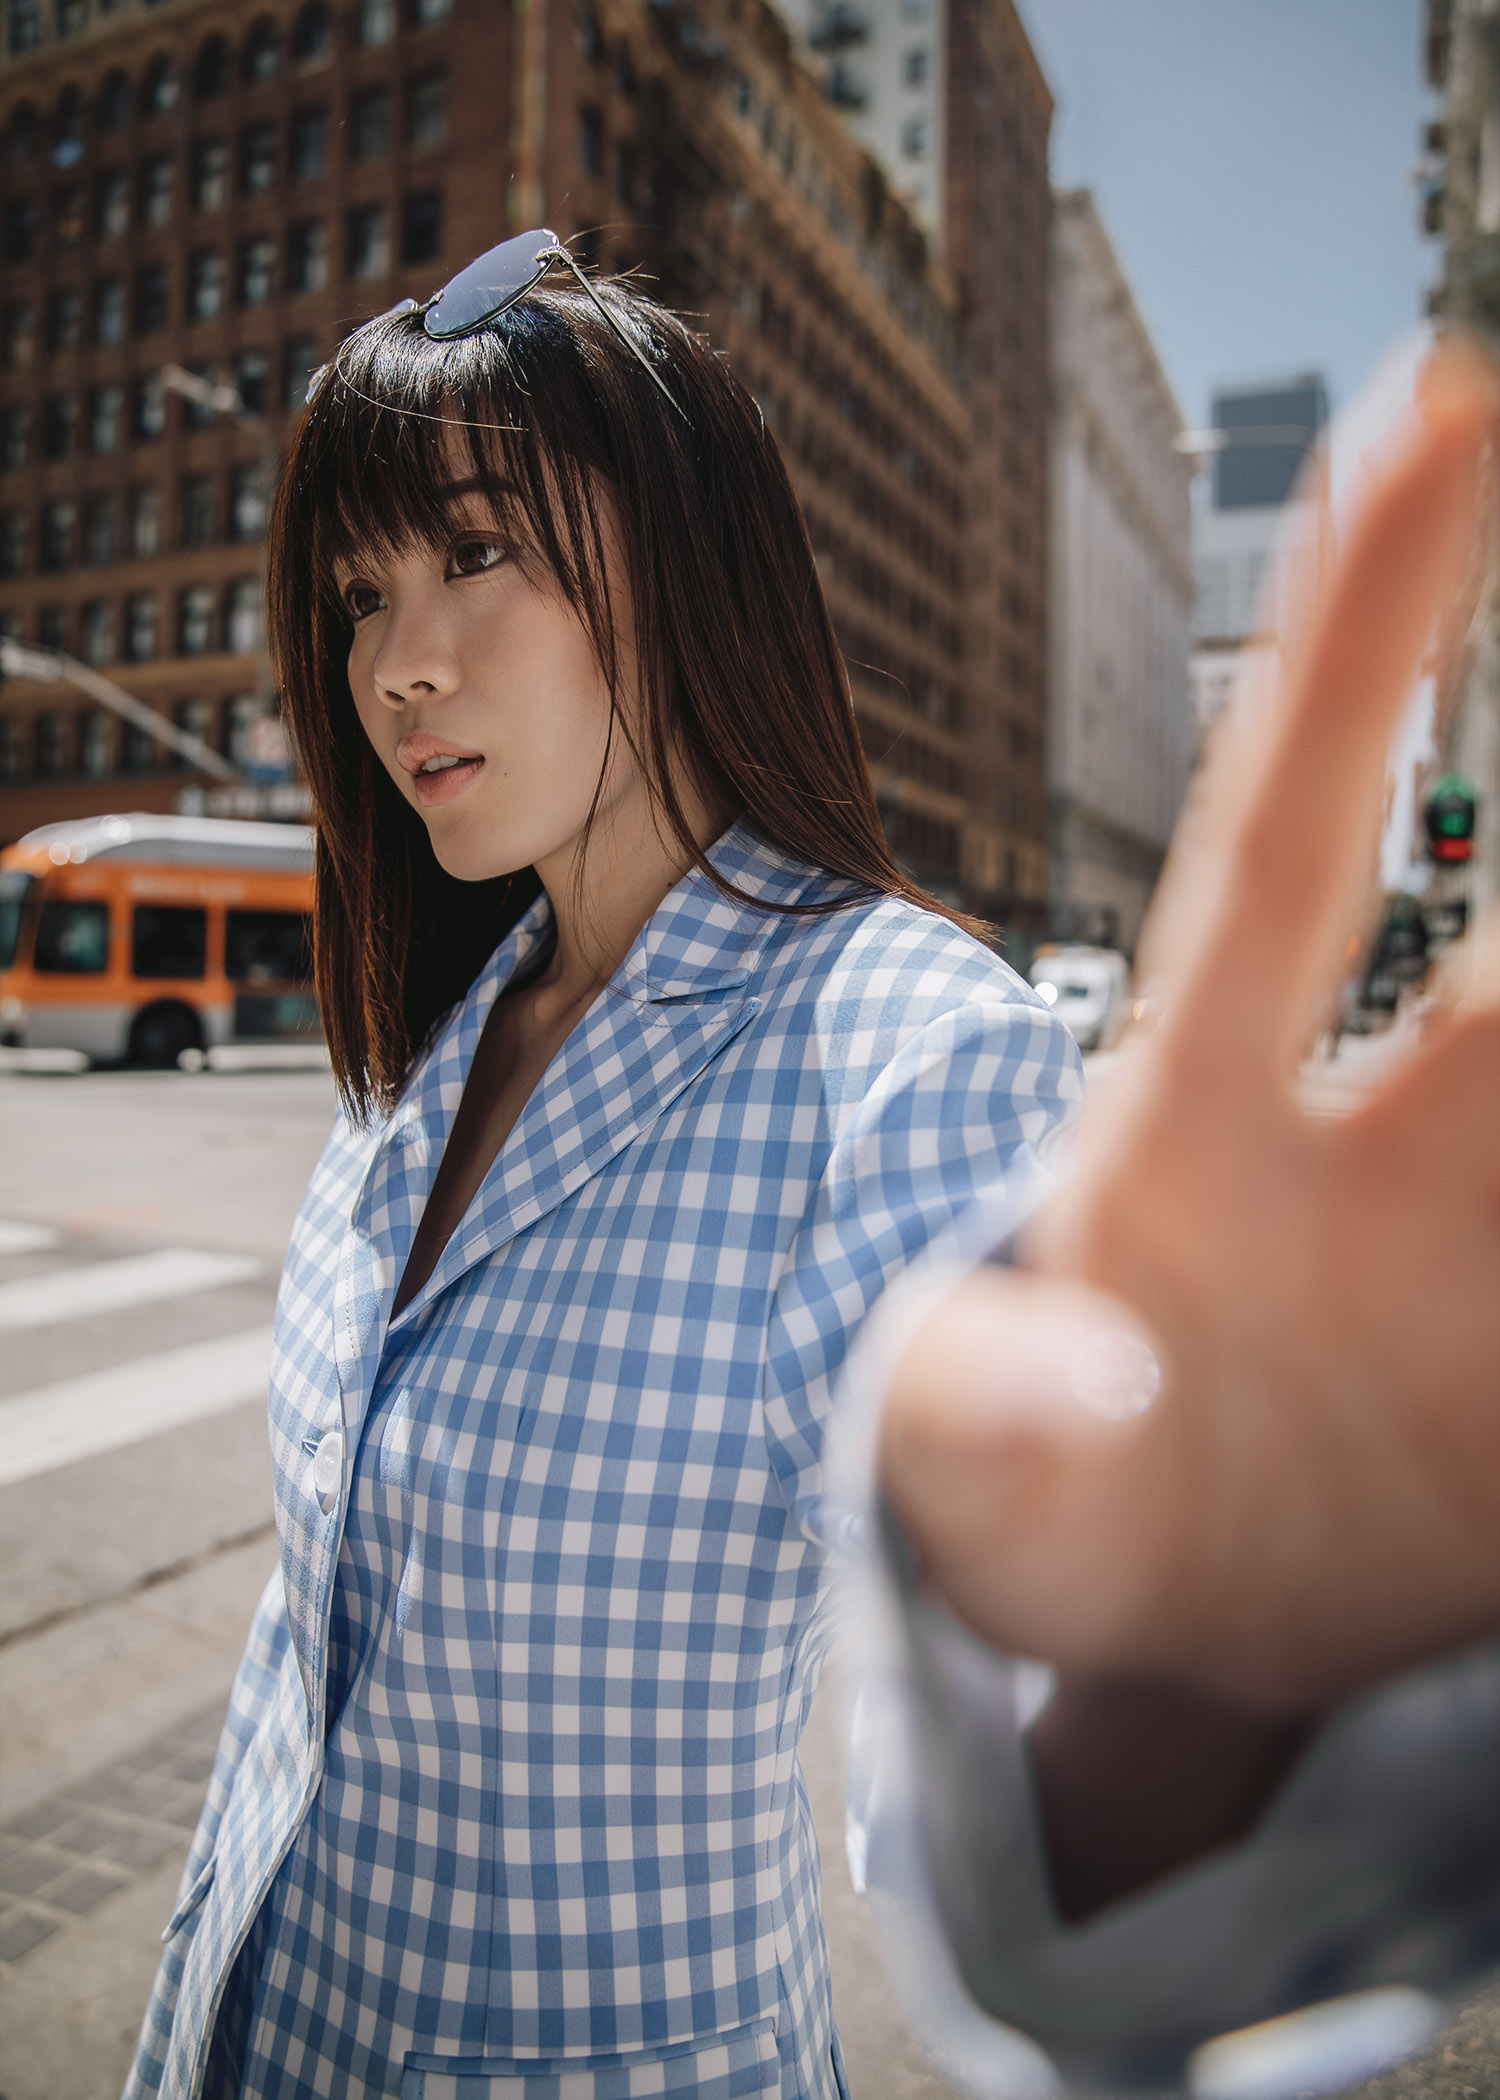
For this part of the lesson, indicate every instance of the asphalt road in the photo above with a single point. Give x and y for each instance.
(143, 1219)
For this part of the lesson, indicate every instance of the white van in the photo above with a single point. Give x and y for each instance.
(1087, 988)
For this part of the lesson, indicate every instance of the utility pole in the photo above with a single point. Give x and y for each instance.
(53, 667)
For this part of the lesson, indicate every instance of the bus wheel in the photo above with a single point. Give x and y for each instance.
(161, 1033)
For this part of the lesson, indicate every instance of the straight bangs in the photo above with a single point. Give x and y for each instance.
(549, 411)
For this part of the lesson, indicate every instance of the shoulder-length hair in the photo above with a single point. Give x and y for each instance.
(738, 676)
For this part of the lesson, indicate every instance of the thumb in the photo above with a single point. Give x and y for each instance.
(1024, 1457)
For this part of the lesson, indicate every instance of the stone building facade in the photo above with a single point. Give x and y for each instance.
(225, 185)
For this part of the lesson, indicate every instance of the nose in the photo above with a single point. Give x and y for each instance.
(414, 658)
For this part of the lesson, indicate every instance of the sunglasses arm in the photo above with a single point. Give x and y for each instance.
(560, 254)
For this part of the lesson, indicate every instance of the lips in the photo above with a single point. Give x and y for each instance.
(440, 770)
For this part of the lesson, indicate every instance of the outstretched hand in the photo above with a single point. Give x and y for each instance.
(1309, 1496)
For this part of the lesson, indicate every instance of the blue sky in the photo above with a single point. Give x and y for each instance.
(1251, 159)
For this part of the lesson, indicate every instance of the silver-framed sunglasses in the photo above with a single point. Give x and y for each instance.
(491, 284)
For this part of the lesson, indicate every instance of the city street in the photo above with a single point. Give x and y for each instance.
(142, 1223)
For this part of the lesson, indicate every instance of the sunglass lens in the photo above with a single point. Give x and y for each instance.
(489, 284)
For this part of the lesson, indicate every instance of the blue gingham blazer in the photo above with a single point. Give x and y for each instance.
(562, 1520)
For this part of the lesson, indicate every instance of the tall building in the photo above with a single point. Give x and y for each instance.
(1120, 734)
(1263, 437)
(226, 185)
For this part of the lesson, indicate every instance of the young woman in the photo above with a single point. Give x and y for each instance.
(656, 1071)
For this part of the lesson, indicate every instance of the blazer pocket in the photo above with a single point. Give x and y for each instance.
(733, 2066)
(194, 1896)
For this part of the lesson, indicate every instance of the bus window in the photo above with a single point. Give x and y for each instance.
(14, 886)
(168, 940)
(263, 947)
(72, 936)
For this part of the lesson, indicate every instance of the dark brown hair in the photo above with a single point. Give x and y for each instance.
(738, 673)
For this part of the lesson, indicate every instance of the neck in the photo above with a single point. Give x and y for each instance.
(603, 891)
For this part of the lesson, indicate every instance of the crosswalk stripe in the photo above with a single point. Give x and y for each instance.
(56, 1425)
(18, 1238)
(109, 1286)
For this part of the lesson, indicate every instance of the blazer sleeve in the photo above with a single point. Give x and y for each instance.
(970, 1102)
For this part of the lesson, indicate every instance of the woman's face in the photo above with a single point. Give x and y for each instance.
(479, 688)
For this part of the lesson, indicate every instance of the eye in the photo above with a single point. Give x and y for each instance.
(473, 555)
(360, 600)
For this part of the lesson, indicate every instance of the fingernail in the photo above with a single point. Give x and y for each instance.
(1115, 1374)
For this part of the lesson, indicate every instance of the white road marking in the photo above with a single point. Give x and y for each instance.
(108, 1286)
(17, 1238)
(56, 1425)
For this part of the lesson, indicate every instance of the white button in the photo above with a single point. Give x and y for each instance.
(328, 1465)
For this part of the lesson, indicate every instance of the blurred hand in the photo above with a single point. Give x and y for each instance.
(1311, 1499)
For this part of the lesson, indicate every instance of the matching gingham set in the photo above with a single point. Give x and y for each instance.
(507, 1805)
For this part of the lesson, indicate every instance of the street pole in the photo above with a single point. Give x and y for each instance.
(53, 667)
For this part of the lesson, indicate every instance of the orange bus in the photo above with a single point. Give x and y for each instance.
(136, 938)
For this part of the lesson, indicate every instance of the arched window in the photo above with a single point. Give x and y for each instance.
(262, 49)
(212, 68)
(21, 135)
(114, 100)
(312, 36)
(159, 89)
(67, 127)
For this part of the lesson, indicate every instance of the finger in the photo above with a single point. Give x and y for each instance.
(1021, 1460)
(1292, 811)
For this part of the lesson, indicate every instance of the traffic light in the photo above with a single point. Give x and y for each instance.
(1450, 819)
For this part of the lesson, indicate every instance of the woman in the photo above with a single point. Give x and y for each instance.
(656, 1072)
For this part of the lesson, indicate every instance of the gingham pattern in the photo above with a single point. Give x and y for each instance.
(580, 1592)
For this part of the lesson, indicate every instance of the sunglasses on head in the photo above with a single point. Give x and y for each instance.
(485, 288)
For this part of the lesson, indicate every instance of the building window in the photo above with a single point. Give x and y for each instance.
(307, 256)
(157, 179)
(206, 284)
(258, 159)
(263, 50)
(195, 513)
(374, 23)
(114, 101)
(914, 139)
(300, 361)
(195, 620)
(12, 541)
(312, 34)
(915, 68)
(97, 636)
(109, 311)
(20, 335)
(257, 269)
(250, 375)
(72, 17)
(52, 628)
(17, 439)
(427, 108)
(244, 618)
(370, 124)
(199, 415)
(150, 298)
(422, 225)
(212, 68)
(626, 170)
(101, 531)
(427, 14)
(51, 733)
(149, 417)
(21, 139)
(66, 327)
(159, 88)
(25, 26)
(112, 204)
(247, 503)
(145, 521)
(20, 228)
(309, 143)
(211, 174)
(369, 241)
(59, 526)
(141, 622)
(60, 426)
(106, 418)
(140, 752)
(67, 128)
(195, 718)
(96, 737)
(69, 217)
(590, 140)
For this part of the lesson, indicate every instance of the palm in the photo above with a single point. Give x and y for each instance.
(1315, 1498)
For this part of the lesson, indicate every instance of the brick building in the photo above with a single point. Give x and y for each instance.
(226, 185)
